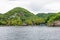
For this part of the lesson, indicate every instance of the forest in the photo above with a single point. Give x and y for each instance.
(21, 17)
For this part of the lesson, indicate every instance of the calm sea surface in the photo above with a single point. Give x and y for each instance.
(29, 33)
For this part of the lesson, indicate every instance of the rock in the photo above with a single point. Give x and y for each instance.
(56, 23)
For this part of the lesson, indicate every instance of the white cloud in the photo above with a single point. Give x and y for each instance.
(8, 5)
(51, 7)
(40, 5)
(34, 6)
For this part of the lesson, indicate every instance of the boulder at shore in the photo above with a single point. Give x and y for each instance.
(56, 23)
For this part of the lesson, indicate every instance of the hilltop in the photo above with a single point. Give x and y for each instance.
(19, 16)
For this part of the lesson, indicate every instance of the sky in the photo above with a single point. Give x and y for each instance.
(34, 6)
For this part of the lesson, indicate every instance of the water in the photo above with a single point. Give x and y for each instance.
(30, 33)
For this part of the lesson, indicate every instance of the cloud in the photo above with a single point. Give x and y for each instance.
(51, 7)
(16, 0)
(8, 5)
(34, 6)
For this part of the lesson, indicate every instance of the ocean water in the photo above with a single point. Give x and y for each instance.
(29, 33)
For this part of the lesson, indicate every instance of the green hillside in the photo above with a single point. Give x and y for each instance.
(19, 16)
(44, 16)
(53, 18)
(19, 11)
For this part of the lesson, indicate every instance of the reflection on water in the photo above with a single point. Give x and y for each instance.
(30, 33)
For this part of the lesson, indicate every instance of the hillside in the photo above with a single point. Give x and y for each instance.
(19, 16)
(18, 11)
(15, 16)
(53, 19)
(44, 16)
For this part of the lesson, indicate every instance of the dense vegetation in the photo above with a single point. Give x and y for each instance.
(53, 17)
(19, 16)
(45, 16)
(50, 18)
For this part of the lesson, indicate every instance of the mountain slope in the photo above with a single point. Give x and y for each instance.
(18, 11)
(53, 19)
(17, 16)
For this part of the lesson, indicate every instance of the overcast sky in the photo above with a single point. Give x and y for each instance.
(34, 6)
